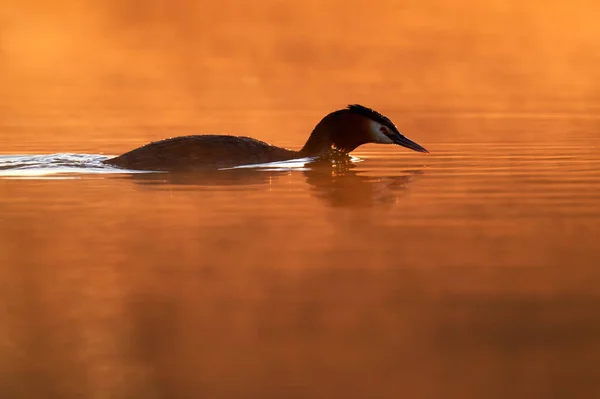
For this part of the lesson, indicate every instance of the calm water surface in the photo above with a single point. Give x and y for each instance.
(474, 268)
(469, 273)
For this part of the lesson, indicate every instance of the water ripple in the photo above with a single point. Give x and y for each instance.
(54, 164)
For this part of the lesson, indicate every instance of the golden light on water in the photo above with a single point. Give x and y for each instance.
(466, 273)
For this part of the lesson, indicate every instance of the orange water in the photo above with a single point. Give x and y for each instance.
(468, 273)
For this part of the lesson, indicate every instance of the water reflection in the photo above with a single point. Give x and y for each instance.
(218, 178)
(347, 187)
(337, 184)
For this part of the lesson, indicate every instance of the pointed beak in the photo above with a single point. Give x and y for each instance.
(405, 142)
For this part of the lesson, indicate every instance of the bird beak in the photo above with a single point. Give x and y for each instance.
(405, 142)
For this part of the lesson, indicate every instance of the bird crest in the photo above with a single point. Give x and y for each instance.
(373, 115)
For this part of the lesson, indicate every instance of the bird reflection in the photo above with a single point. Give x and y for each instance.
(339, 183)
(232, 177)
(344, 186)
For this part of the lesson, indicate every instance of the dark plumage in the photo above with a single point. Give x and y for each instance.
(373, 115)
(200, 152)
(341, 130)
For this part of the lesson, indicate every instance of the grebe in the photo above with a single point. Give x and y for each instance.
(340, 132)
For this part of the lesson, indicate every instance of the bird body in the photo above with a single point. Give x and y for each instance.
(340, 131)
(202, 152)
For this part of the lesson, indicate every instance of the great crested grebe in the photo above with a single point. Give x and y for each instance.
(340, 132)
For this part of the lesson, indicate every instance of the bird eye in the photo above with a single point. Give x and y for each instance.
(383, 130)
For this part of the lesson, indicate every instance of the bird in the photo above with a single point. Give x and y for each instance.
(337, 134)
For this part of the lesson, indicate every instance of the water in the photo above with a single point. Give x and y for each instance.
(470, 272)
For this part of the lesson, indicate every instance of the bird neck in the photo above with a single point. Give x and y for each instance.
(338, 132)
(320, 142)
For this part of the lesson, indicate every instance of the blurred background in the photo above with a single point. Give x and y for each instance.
(103, 75)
